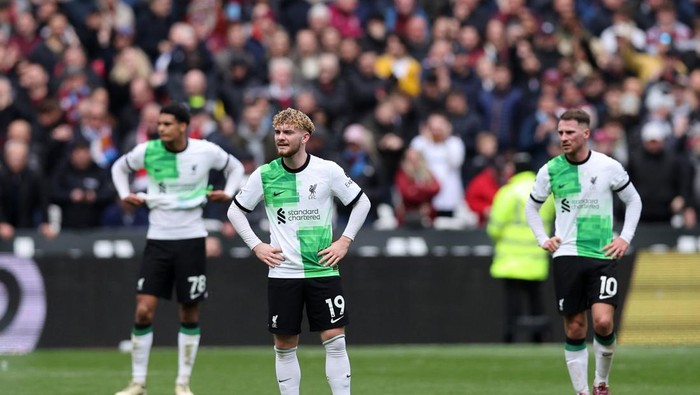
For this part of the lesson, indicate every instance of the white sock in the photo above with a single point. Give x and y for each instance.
(603, 359)
(288, 371)
(141, 343)
(187, 344)
(577, 363)
(337, 365)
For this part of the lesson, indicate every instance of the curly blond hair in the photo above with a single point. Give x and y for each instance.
(293, 117)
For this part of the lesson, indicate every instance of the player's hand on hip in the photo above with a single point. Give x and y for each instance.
(617, 248)
(133, 200)
(332, 255)
(218, 196)
(552, 244)
(269, 255)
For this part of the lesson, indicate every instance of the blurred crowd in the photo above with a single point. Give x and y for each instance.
(422, 102)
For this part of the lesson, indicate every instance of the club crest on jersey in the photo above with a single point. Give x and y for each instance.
(312, 191)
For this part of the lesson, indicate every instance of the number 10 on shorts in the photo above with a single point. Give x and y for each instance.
(608, 287)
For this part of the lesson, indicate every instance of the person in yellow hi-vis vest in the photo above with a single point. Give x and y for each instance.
(517, 259)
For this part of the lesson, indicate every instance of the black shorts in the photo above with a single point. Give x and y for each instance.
(322, 296)
(181, 263)
(579, 282)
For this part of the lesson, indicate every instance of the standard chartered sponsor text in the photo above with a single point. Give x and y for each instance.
(303, 215)
(585, 204)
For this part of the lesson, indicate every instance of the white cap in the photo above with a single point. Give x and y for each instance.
(654, 131)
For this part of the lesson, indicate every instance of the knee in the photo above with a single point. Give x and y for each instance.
(283, 342)
(576, 329)
(144, 314)
(603, 325)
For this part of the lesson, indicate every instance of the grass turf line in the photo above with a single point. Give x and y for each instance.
(385, 370)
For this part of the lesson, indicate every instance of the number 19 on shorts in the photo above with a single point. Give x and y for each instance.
(336, 303)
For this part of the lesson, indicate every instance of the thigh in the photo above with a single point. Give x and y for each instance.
(602, 285)
(285, 301)
(190, 270)
(157, 270)
(570, 285)
(325, 303)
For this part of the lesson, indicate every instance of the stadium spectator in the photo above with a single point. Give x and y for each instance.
(9, 111)
(396, 64)
(538, 130)
(175, 250)
(22, 130)
(444, 154)
(81, 189)
(330, 89)
(465, 122)
(24, 196)
(253, 135)
(663, 178)
(290, 287)
(306, 54)
(56, 36)
(358, 157)
(500, 106)
(367, 88)
(25, 35)
(153, 24)
(416, 187)
(482, 188)
(344, 18)
(96, 128)
(400, 12)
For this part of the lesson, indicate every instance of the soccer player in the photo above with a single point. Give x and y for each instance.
(297, 190)
(584, 249)
(178, 172)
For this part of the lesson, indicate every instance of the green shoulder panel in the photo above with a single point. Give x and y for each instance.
(160, 164)
(563, 177)
(279, 185)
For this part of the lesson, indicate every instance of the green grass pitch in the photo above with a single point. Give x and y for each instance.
(385, 370)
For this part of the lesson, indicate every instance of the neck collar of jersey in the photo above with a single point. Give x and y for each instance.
(187, 143)
(301, 168)
(581, 162)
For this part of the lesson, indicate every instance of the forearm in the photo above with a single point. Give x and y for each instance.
(633, 210)
(120, 177)
(532, 213)
(234, 174)
(357, 217)
(242, 226)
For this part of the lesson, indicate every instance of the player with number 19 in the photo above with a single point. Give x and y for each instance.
(584, 249)
(297, 190)
(178, 173)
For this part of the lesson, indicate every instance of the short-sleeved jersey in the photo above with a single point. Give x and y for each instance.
(583, 199)
(299, 207)
(177, 185)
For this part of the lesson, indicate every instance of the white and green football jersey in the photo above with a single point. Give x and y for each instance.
(177, 185)
(299, 206)
(583, 198)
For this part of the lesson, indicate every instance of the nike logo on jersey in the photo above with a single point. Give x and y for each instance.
(334, 320)
(282, 381)
(561, 186)
(277, 193)
(601, 296)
